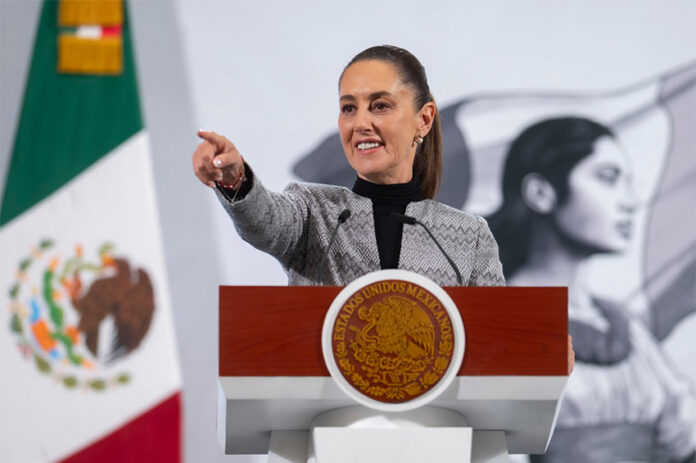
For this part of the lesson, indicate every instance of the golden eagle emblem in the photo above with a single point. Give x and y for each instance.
(391, 345)
(74, 315)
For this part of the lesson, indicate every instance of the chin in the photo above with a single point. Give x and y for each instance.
(592, 246)
(614, 243)
(368, 169)
(616, 247)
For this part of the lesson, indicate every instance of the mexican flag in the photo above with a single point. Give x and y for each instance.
(88, 358)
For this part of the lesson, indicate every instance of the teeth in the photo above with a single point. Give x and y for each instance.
(367, 146)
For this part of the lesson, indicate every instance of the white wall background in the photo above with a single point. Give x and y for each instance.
(265, 74)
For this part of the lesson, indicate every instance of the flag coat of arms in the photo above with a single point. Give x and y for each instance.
(87, 348)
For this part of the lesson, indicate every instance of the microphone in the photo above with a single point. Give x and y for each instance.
(342, 217)
(408, 220)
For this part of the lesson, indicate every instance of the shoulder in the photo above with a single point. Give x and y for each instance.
(441, 215)
(328, 200)
(319, 191)
(309, 188)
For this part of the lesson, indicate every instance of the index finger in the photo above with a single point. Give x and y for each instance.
(220, 142)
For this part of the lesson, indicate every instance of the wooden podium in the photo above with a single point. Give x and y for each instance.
(273, 381)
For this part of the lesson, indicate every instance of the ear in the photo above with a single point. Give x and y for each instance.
(426, 117)
(538, 194)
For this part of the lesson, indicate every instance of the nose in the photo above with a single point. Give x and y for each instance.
(363, 121)
(629, 201)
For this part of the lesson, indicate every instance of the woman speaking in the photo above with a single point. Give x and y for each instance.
(390, 131)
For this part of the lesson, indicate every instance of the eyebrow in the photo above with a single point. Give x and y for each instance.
(372, 96)
(608, 166)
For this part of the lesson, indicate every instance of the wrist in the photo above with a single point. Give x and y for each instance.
(239, 179)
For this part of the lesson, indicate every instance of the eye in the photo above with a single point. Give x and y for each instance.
(347, 108)
(380, 106)
(608, 175)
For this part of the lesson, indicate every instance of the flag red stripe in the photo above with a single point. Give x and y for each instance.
(111, 31)
(153, 436)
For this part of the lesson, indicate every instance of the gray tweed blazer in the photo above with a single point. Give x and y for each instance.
(295, 227)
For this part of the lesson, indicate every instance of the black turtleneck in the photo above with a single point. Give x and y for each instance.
(385, 200)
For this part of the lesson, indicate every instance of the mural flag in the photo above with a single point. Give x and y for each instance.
(87, 347)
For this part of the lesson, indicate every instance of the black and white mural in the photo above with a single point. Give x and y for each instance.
(596, 192)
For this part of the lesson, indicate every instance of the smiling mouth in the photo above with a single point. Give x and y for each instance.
(368, 146)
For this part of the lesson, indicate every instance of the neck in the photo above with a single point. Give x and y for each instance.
(553, 261)
(398, 193)
(387, 179)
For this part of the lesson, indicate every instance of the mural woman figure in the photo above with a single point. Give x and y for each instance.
(566, 197)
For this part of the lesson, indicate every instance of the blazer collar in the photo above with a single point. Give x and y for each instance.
(364, 224)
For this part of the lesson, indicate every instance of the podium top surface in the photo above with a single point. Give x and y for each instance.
(276, 330)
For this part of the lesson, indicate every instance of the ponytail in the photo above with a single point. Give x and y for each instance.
(427, 166)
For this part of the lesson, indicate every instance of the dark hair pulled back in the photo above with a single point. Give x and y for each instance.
(551, 148)
(427, 166)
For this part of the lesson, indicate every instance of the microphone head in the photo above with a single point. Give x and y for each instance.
(407, 219)
(344, 216)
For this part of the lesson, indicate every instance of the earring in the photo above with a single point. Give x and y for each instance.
(418, 139)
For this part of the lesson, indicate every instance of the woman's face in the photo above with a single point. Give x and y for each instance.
(599, 209)
(378, 122)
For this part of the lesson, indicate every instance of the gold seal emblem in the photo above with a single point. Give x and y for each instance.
(392, 340)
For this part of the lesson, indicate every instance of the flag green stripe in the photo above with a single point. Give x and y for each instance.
(67, 121)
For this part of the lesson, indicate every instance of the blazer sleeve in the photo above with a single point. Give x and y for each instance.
(275, 223)
(486, 269)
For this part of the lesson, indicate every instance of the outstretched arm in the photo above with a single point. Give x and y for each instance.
(272, 222)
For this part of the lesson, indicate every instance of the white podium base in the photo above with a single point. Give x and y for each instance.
(406, 445)
(353, 434)
(292, 447)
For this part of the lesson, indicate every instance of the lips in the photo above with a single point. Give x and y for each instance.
(368, 145)
(625, 228)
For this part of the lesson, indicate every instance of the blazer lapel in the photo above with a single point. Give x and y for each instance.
(362, 232)
(415, 244)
